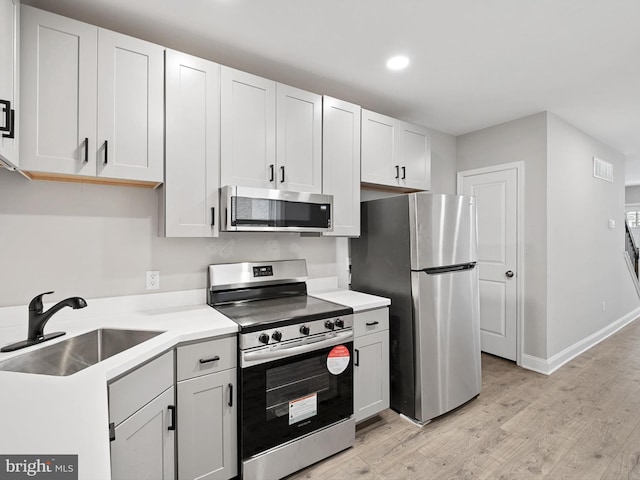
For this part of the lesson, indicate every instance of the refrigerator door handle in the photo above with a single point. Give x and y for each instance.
(448, 268)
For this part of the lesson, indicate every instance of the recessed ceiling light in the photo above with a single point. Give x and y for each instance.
(397, 63)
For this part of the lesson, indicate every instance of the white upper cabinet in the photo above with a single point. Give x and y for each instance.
(379, 148)
(92, 100)
(130, 107)
(395, 153)
(9, 82)
(271, 134)
(299, 140)
(59, 93)
(414, 157)
(192, 162)
(341, 164)
(248, 129)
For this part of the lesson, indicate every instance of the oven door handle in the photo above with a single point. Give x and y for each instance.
(255, 358)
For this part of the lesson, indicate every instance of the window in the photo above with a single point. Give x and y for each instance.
(632, 219)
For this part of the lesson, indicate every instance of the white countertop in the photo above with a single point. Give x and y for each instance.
(69, 415)
(357, 300)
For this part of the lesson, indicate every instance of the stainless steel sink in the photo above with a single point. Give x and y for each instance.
(76, 353)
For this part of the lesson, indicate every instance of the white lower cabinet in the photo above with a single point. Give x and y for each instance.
(207, 410)
(142, 422)
(371, 375)
(144, 445)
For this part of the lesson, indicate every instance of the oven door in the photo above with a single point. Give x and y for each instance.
(286, 398)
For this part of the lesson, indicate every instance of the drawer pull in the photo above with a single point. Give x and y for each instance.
(172, 425)
(371, 324)
(209, 360)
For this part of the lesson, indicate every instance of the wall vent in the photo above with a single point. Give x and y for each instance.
(602, 170)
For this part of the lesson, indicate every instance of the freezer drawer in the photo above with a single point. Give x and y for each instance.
(447, 340)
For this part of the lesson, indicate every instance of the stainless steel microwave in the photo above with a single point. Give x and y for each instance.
(245, 209)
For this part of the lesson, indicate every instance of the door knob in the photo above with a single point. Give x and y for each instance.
(509, 273)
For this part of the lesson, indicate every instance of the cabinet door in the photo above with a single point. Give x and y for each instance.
(248, 130)
(299, 140)
(192, 136)
(341, 164)
(9, 96)
(130, 108)
(379, 149)
(371, 375)
(58, 93)
(415, 157)
(144, 447)
(207, 435)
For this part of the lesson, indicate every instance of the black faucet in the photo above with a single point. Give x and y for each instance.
(38, 319)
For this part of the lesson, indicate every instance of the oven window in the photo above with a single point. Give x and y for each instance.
(298, 383)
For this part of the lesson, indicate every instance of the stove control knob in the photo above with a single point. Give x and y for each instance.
(304, 330)
(276, 336)
(329, 325)
(339, 323)
(264, 338)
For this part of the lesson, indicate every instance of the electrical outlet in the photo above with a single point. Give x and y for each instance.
(153, 280)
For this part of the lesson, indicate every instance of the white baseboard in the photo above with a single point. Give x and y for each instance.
(548, 366)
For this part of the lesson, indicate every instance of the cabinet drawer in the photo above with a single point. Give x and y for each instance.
(137, 388)
(371, 321)
(206, 357)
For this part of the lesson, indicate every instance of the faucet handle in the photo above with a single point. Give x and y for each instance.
(36, 303)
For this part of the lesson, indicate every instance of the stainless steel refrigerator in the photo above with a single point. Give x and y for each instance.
(420, 250)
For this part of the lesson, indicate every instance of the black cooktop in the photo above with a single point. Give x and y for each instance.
(256, 315)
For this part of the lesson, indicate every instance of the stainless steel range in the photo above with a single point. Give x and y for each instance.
(296, 366)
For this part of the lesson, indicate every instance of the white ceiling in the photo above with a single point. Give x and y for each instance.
(474, 63)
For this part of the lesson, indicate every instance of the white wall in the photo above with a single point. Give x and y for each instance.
(98, 241)
(585, 262)
(632, 194)
(521, 140)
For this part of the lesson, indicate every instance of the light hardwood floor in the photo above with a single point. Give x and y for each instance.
(581, 422)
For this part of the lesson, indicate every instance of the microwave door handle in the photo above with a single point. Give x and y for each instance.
(255, 358)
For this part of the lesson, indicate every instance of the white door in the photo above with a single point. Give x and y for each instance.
(192, 161)
(144, 447)
(414, 157)
(130, 108)
(299, 140)
(247, 130)
(58, 93)
(341, 164)
(379, 149)
(496, 191)
(207, 434)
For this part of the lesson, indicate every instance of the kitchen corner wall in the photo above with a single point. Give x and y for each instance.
(98, 241)
(589, 286)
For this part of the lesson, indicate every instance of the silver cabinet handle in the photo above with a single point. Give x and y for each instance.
(509, 273)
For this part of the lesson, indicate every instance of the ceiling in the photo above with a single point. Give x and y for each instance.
(474, 63)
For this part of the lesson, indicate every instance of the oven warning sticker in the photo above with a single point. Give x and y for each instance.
(303, 408)
(338, 359)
